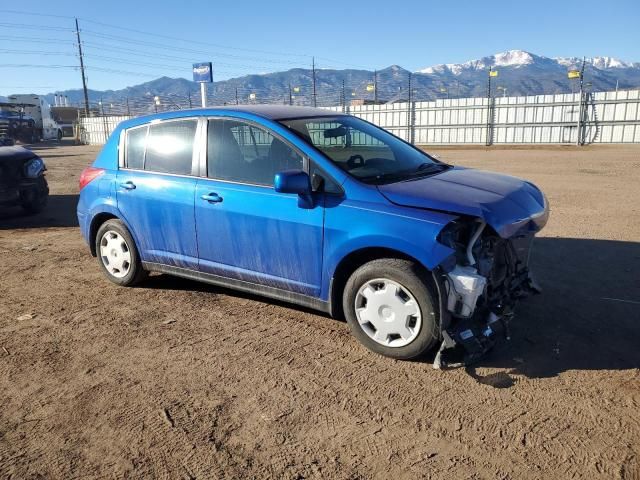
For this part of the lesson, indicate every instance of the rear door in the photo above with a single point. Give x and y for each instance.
(155, 191)
(246, 230)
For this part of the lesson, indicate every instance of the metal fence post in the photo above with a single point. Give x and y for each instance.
(580, 104)
(412, 122)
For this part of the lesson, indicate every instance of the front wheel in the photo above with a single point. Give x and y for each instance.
(118, 255)
(391, 308)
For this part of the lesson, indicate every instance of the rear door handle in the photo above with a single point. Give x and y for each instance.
(212, 197)
(128, 185)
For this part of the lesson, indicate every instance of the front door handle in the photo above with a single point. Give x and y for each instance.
(212, 197)
(128, 185)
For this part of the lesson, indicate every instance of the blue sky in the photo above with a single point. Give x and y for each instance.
(260, 36)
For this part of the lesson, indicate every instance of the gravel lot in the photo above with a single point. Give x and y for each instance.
(176, 379)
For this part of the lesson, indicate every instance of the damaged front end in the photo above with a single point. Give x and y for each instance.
(480, 285)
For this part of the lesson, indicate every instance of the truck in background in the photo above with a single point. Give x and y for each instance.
(37, 109)
(66, 117)
(15, 125)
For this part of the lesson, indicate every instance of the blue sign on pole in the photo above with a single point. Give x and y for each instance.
(202, 72)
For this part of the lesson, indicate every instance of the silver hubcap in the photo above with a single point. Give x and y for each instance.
(388, 312)
(115, 254)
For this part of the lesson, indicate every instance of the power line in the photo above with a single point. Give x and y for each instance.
(162, 46)
(168, 37)
(32, 65)
(190, 41)
(23, 26)
(36, 52)
(35, 39)
(35, 14)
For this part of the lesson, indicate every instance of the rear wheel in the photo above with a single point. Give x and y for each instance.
(118, 255)
(390, 308)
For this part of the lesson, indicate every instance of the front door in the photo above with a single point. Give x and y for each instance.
(245, 229)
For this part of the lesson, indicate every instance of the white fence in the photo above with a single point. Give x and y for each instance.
(602, 117)
(96, 130)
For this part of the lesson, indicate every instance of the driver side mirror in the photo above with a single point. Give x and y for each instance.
(292, 181)
(295, 181)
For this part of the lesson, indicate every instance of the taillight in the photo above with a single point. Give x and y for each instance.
(88, 175)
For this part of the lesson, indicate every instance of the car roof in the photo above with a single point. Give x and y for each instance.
(271, 112)
(280, 112)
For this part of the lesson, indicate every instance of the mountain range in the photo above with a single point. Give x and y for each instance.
(519, 73)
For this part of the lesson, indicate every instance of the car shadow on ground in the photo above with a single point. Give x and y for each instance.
(59, 212)
(587, 318)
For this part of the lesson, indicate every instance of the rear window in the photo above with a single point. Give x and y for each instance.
(170, 147)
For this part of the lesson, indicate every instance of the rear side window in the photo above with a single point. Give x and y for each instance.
(135, 147)
(170, 147)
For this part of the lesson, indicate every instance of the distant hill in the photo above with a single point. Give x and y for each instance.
(519, 72)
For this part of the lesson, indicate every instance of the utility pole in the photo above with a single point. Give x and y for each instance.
(580, 106)
(290, 95)
(313, 73)
(128, 108)
(344, 98)
(190, 104)
(237, 102)
(375, 87)
(84, 77)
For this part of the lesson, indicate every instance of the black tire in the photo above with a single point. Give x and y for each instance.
(411, 277)
(135, 273)
(35, 200)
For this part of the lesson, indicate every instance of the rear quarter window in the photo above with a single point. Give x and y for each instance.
(136, 139)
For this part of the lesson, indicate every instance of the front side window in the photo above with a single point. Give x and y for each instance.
(363, 150)
(170, 147)
(241, 152)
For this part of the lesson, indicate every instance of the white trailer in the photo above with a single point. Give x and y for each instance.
(40, 111)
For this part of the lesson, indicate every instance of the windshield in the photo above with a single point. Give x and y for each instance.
(365, 151)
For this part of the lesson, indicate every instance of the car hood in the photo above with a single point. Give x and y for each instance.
(508, 204)
(15, 154)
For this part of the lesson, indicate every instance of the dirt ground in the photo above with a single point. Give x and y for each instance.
(176, 379)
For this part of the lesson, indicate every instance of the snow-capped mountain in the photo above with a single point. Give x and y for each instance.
(520, 58)
(511, 58)
(525, 73)
(597, 62)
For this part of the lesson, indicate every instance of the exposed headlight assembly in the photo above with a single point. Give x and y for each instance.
(33, 168)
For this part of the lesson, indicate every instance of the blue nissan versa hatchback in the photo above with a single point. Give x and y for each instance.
(320, 209)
